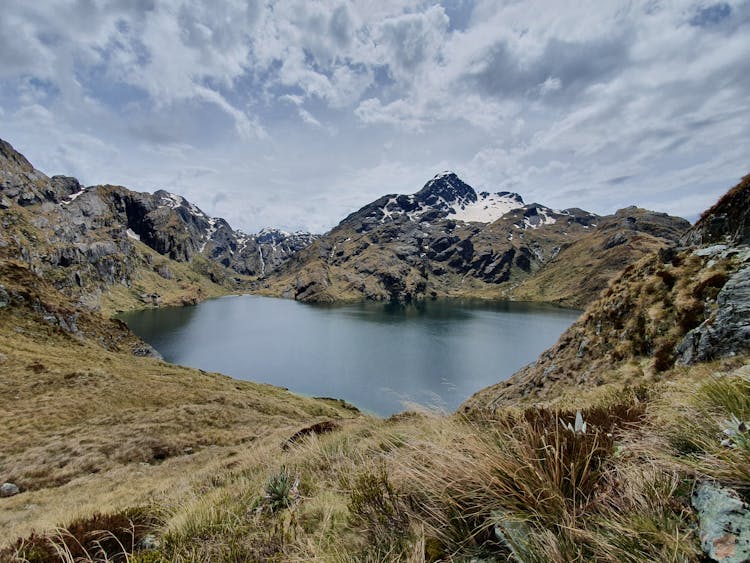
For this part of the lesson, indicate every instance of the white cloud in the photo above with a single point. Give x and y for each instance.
(599, 104)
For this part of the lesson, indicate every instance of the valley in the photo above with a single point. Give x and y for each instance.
(608, 447)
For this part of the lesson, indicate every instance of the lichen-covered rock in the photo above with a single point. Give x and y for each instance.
(724, 523)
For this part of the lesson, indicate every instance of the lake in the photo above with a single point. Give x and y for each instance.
(383, 358)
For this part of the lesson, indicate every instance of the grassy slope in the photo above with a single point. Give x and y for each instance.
(85, 425)
(92, 428)
(187, 285)
(423, 487)
(583, 269)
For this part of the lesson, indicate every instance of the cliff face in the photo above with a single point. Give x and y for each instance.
(99, 241)
(677, 306)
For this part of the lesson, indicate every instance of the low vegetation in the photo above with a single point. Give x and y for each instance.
(526, 484)
(592, 454)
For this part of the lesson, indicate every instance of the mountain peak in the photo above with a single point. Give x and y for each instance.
(443, 174)
(446, 188)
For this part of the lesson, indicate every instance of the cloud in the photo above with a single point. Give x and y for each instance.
(600, 104)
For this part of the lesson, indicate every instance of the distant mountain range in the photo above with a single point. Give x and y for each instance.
(448, 240)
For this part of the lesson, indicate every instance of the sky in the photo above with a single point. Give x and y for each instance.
(294, 113)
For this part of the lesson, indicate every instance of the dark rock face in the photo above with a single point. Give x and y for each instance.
(445, 188)
(726, 222)
(727, 331)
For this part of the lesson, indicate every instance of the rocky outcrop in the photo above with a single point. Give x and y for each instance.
(727, 222)
(86, 239)
(723, 232)
(726, 332)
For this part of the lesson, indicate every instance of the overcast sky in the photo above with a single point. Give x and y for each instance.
(295, 113)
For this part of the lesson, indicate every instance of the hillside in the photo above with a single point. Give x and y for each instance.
(446, 240)
(583, 268)
(90, 418)
(679, 306)
(110, 247)
(627, 441)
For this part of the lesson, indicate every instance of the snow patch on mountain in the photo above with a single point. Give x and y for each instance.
(488, 207)
(72, 197)
(209, 233)
(449, 197)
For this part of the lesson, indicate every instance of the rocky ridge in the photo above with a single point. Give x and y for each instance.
(681, 305)
(89, 240)
(446, 240)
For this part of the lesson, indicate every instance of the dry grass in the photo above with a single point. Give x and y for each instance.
(421, 487)
(87, 429)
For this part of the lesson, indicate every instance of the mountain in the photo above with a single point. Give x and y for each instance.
(110, 243)
(635, 447)
(679, 306)
(447, 240)
(585, 267)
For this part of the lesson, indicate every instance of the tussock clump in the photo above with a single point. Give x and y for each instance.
(99, 537)
(379, 511)
(711, 433)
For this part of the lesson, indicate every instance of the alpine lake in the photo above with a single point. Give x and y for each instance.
(382, 358)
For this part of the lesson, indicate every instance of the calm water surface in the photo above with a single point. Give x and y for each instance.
(381, 358)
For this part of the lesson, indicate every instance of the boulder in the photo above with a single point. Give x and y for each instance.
(724, 523)
(9, 490)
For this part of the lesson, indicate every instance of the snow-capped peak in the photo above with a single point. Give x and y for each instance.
(488, 207)
(450, 197)
(443, 174)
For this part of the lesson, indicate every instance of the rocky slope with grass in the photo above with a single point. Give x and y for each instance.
(628, 441)
(679, 306)
(447, 240)
(92, 420)
(113, 247)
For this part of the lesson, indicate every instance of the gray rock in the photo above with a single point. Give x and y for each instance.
(582, 347)
(4, 297)
(724, 521)
(727, 332)
(615, 240)
(9, 490)
(710, 250)
(513, 533)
